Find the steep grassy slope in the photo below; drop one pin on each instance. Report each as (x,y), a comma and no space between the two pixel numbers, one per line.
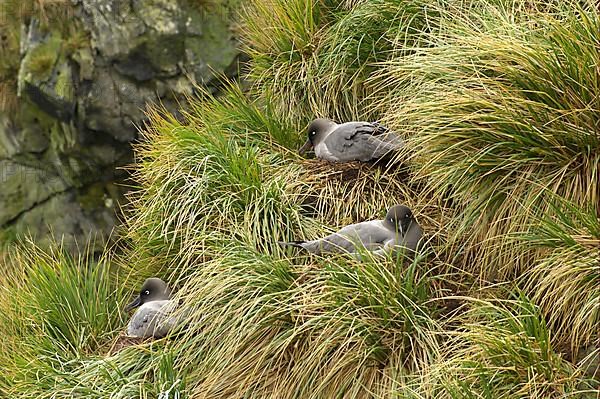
(499,102)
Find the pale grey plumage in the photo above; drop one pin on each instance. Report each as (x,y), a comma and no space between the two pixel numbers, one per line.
(350,141)
(154,317)
(398,229)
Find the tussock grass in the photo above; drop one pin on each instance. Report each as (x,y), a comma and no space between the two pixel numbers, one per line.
(313,58)
(231,186)
(503,350)
(270,327)
(56,308)
(565,282)
(498,101)
(353,181)
(502,117)
(283,36)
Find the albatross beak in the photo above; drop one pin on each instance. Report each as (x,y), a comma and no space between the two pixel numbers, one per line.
(307,146)
(136,302)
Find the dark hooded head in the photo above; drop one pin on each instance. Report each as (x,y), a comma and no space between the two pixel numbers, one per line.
(399,218)
(317,131)
(153,289)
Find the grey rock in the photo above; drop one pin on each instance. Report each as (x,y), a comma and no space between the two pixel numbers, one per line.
(80,107)
(9,143)
(85,61)
(32,140)
(163,16)
(102,105)
(99,111)
(212,50)
(65,217)
(113,26)
(25,186)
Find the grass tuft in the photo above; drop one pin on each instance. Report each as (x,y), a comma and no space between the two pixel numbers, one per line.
(56,308)
(498,103)
(504,350)
(564,282)
(501,118)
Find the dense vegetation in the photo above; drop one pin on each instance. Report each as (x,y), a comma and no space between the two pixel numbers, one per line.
(499,101)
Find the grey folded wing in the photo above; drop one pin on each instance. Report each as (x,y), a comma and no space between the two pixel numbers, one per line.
(412,241)
(333,243)
(388,247)
(361,141)
(370,235)
(153,319)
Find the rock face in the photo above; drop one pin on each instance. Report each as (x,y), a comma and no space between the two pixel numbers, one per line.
(82,95)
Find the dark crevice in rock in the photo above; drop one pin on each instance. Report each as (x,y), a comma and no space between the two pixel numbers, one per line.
(35,205)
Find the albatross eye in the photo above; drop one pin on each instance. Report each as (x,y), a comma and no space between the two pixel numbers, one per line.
(313,133)
(146,292)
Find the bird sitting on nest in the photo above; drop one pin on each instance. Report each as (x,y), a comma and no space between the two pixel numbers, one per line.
(154,316)
(350,141)
(399,229)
